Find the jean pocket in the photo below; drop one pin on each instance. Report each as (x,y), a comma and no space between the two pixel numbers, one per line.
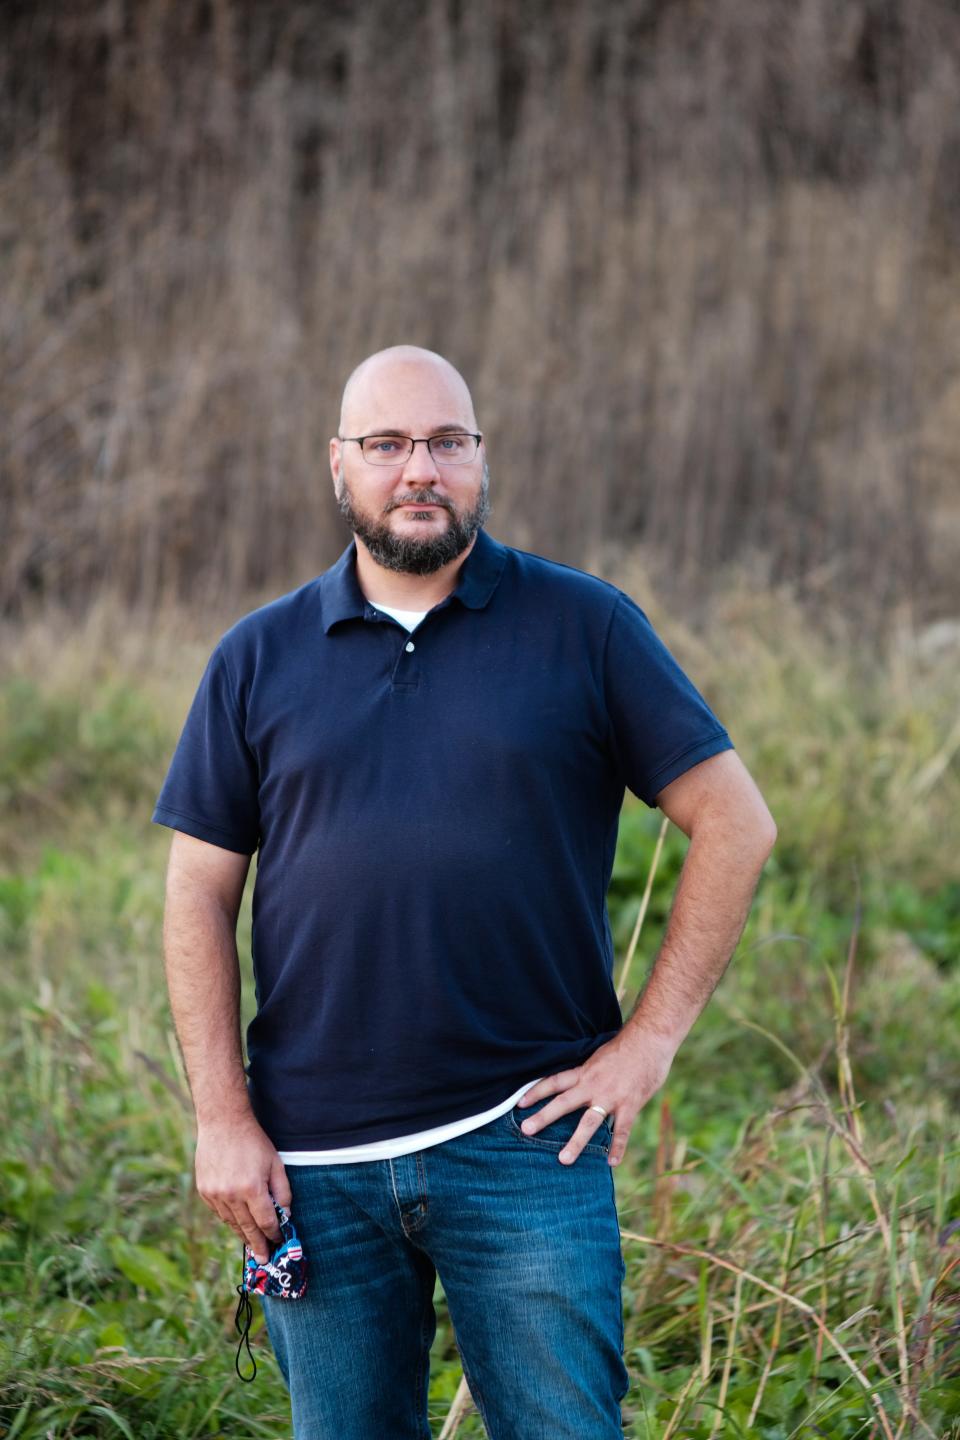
(555,1135)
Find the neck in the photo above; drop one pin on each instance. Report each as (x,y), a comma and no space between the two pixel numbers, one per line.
(406,592)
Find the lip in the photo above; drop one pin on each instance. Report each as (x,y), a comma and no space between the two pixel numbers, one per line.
(412,505)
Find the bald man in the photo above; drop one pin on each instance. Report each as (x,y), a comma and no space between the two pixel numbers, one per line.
(427,747)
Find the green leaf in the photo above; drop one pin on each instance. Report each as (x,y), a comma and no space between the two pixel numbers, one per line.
(101,1000)
(113,1335)
(144,1265)
(115,1419)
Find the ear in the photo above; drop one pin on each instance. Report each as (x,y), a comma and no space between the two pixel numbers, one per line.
(336,460)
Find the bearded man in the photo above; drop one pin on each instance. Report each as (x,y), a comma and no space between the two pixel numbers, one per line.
(427,747)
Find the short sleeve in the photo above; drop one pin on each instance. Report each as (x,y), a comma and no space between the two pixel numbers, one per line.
(660,724)
(211,789)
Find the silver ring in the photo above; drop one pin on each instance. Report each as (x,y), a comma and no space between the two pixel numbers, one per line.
(599,1109)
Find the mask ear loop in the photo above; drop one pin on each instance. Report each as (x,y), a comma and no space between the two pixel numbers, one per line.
(244,1309)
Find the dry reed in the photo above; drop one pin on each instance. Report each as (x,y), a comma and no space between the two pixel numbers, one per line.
(700,268)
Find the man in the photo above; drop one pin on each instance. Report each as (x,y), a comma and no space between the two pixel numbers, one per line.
(427,746)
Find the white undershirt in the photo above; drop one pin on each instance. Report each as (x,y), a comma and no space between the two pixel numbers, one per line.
(421,1139)
(409,619)
(403,1144)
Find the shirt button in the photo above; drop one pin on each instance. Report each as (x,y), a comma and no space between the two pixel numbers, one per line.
(409,645)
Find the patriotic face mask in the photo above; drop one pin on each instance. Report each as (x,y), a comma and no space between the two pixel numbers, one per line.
(283,1275)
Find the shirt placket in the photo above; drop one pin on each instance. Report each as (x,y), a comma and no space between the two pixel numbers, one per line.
(405,676)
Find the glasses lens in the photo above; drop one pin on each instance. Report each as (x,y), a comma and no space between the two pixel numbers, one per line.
(453,449)
(396,449)
(386,449)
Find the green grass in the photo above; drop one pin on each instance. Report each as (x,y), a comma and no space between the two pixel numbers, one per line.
(787,1198)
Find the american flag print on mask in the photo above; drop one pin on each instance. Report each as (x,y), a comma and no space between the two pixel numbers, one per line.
(283,1275)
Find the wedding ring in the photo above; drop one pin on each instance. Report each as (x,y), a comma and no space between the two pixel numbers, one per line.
(599,1109)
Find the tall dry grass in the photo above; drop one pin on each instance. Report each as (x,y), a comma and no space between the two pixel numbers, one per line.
(698,263)
(789,1203)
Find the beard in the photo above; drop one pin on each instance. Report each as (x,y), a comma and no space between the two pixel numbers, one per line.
(414,554)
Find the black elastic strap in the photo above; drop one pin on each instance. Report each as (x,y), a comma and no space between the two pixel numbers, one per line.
(245,1309)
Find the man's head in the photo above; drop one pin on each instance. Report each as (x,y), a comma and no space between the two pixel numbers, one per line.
(417,514)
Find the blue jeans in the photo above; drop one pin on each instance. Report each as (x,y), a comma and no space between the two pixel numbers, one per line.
(528,1254)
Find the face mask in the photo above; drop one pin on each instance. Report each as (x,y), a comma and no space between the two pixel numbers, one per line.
(283,1275)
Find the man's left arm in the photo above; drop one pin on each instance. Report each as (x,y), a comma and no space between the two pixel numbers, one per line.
(731,831)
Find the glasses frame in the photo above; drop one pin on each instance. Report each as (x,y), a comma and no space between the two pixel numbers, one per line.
(420,440)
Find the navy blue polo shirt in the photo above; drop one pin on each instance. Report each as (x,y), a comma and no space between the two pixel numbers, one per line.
(435,816)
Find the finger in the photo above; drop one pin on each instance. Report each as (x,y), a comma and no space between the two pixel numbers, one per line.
(621,1134)
(550,1085)
(245,1225)
(588,1127)
(265,1216)
(561,1105)
(222,1212)
(233,1210)
(227,1217)
(280,1185)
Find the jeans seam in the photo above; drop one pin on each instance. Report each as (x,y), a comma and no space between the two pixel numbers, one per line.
(623,1266)
(474,1393)
(423,1359)
(408,1226)
(396,1197)
(421,1181)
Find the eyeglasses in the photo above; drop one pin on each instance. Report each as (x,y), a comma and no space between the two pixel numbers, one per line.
(447,449)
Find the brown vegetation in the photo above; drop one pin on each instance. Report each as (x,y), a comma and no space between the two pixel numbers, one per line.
(698,261)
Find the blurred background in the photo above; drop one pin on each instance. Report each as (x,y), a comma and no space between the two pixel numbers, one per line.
(700,264)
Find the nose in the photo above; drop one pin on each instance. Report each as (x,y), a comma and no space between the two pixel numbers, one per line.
(421,465)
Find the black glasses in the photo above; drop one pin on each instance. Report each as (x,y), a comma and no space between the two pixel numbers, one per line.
(455,448)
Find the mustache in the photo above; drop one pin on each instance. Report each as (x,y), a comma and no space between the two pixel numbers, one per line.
(422,498)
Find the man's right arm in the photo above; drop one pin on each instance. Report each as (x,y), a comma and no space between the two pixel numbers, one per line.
(237,1166)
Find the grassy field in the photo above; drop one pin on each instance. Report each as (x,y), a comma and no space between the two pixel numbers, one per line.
(790,1204)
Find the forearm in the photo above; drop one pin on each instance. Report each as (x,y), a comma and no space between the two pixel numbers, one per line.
(731,834)
(203,979)
(239,1173)
(710,909)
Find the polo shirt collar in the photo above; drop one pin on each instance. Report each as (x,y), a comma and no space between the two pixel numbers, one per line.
(342,598)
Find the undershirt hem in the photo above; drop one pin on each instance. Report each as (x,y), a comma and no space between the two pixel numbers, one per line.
(404,1144)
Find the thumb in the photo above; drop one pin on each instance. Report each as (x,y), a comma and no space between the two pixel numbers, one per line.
(279,1184)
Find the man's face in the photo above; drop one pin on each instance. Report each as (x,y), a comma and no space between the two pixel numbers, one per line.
(418,516)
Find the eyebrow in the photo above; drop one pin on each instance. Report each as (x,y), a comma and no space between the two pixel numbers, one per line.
(455,426)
